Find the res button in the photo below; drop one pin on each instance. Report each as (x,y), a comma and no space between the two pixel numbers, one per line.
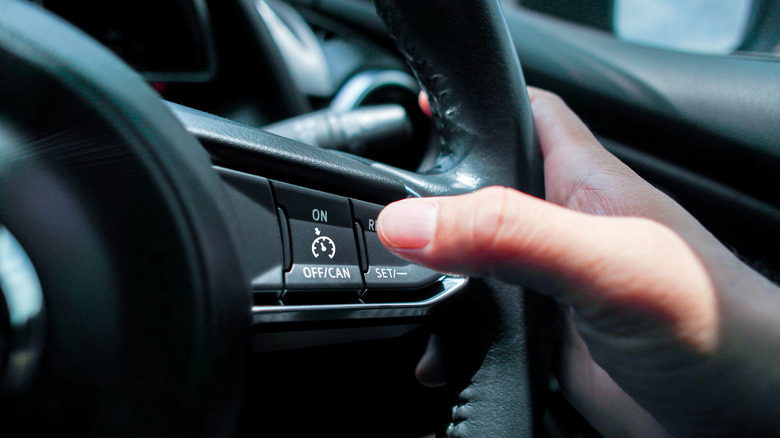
(386,271)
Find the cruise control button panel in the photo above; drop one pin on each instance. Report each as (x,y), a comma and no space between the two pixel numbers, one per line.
(316,257)
(331,256)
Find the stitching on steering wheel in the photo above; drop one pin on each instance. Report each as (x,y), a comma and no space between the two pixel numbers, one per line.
(459,417)
(431,84)
(437,92)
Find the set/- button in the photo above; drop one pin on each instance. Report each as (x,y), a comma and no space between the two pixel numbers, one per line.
(385,270)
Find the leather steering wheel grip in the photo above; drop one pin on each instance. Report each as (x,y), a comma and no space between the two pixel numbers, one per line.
(462,55)
(497,344)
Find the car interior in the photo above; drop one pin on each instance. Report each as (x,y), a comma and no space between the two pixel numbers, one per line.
(189,191)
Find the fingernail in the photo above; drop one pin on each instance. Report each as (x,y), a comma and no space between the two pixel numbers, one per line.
(408,224)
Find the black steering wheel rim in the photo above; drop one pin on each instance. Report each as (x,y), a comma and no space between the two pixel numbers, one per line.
(498,359)
(462,54)
(147,309)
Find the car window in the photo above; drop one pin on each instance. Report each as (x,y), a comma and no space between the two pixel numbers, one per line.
(703,26)
(722,27)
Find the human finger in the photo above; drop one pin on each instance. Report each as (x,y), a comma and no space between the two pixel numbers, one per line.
(579,173)
(603,266)
(582,175)
(593,392)
(425,106)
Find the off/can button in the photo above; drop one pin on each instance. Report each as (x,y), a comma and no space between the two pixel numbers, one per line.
(324,251)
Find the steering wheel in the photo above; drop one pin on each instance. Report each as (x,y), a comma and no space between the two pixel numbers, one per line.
(145,310)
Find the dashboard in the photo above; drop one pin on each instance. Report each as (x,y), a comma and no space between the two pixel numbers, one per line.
(168,41)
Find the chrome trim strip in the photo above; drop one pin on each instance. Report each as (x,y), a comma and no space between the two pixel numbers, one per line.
(362,85)
(21,341)
(299,48)
(340,312)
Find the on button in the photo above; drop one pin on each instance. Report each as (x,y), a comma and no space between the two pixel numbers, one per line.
(324,251)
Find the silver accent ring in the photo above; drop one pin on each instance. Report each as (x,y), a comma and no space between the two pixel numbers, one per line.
(23,320)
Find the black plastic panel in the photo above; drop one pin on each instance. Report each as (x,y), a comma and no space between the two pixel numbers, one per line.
(257,222)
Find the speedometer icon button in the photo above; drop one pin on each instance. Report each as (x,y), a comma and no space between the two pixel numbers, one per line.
(323,246)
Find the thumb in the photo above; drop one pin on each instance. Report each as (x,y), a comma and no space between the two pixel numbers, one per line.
(599,265)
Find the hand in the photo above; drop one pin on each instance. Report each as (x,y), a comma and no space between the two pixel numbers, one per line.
(679,335)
